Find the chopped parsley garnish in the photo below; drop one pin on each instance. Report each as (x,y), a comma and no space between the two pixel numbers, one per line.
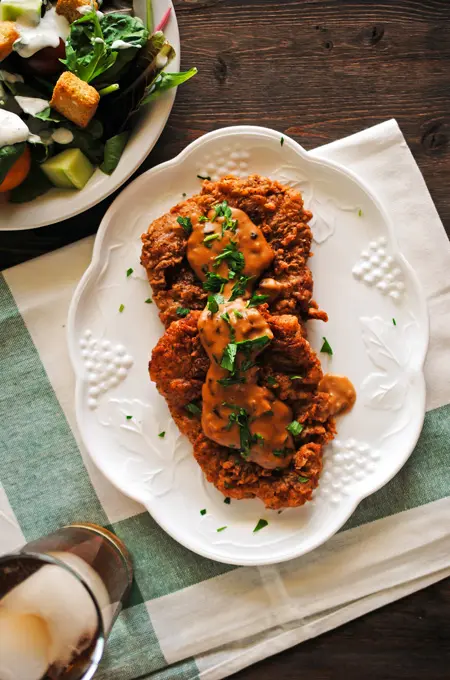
(227,500)
(241,418)
(302,480)
(221,210)
(149,301)
(226,317)
(207,241)
(130,271)
(251,345)
(203,512)
(203,218)
(238,314)
(296,377)
(282,141)
(271,380)
(128,417)
(204,177)
(193,408)
(221,529)
(121,308)
(326,347)
(239,287)
(214,301)
(162,435)
(360,213)
(224,210)
(295,428)
(256,300)
(231,380)
(229,357)
(245,346)
(186,223)
(182,311)
(233,257)
(394,322)
(261,524)
(214,282)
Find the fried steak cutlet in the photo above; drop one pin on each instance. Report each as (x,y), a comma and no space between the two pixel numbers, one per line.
(278,211)
(178,367)
(193,365)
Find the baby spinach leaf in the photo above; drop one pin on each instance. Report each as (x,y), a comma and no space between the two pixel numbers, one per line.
(165,81)
(35,184)
(129,30)
(141,73)
(87,54)
(8,156)
(113,150)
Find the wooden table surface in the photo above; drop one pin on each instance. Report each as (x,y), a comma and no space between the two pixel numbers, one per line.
(317,70)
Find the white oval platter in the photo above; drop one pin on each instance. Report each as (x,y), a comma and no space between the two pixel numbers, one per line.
(378,329)
(60,204)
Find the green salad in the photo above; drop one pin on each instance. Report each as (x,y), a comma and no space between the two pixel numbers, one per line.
(73,77)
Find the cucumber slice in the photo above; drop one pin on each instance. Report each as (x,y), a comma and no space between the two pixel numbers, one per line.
(11,10)
(69,169)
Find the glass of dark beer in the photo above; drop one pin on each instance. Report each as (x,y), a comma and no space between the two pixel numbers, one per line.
(59,597)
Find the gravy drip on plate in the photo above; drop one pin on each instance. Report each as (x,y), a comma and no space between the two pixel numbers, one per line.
(228,252)
(341,391)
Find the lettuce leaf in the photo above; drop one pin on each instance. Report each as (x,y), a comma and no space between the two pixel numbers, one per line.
(113,150)
(165,81)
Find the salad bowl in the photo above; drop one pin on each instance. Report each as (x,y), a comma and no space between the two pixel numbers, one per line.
(59,204)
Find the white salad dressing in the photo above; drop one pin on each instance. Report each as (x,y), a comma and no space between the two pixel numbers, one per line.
(87,9)
(62,136)
(12,129)
(32,105)
(99,40)
(8,77)
(47,33)
(120,45)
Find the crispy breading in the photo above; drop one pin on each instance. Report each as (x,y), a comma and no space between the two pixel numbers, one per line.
(75,99)
(279,212)
(178,367)
(69,8)
(8,35)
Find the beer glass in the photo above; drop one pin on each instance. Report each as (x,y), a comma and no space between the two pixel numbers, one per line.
(59,597)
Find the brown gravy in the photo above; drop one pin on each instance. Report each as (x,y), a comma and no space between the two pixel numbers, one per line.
(341,391)
(237,412)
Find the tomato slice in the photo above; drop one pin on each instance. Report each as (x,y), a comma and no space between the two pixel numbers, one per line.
(17,172)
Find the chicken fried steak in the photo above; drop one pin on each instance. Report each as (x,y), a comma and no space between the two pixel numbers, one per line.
(276,209)
(179,366)
(240,377)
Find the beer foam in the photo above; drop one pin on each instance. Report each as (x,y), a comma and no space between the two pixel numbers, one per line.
(59,599)
(24,645)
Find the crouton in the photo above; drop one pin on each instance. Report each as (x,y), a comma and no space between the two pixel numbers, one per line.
(75,99)
(8,35)
(69,8)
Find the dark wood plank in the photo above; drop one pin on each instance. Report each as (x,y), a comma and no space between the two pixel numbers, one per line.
(317,70)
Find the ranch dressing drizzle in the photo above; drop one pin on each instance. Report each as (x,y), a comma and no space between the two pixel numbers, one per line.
(12,129)
(233,411)
(47,33)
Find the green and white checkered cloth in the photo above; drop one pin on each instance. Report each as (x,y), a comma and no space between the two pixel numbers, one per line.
(190,618)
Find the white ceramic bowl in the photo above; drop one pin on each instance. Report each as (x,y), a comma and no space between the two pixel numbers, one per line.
(361,280)
(60,204)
